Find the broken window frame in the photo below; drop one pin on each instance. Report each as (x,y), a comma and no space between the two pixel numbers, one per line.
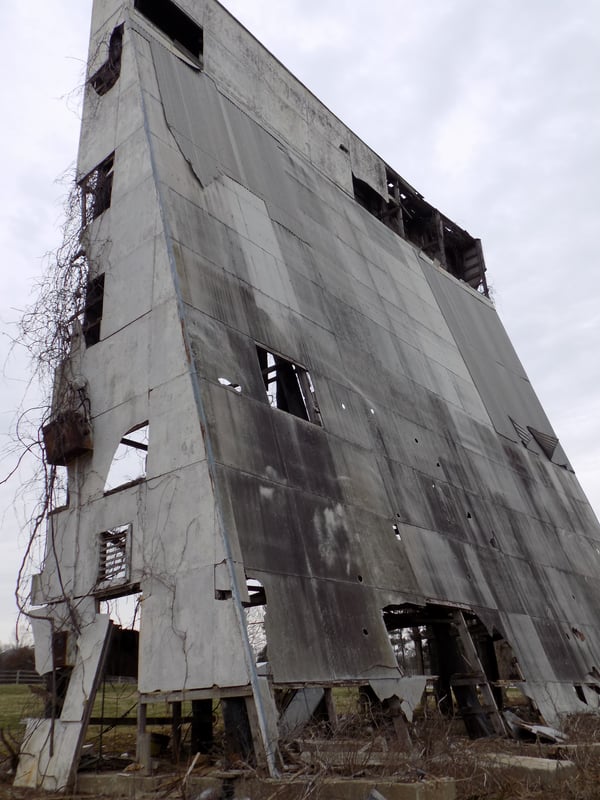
(93,310)
(409,640)
(408,214)
(114,560)
(103,80)
(255,613)
(368,198)
(294,391)
(123,606)
(176,25)
(96,190)
(134,445)
(59,483)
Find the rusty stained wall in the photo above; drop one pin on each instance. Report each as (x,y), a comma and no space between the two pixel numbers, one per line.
(233,224)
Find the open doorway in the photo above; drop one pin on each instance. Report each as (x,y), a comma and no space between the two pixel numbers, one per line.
(111,735)
(454,649)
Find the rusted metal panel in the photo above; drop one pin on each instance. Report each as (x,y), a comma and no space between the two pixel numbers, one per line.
(67,436)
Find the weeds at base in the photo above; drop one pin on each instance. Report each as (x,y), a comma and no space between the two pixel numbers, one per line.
(439,752)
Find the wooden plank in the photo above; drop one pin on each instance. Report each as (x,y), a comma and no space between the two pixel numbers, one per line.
(143,740)
(176,723)
(114,722)
(195,694)
(400,724)
(331,709)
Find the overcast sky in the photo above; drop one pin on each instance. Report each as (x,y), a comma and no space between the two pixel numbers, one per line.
(489,109)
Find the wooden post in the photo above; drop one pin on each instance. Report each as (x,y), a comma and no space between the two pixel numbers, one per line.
(400,723)
(255,734)
(143,755)
(330,707)
(418,642)
(176,729)
(438,223)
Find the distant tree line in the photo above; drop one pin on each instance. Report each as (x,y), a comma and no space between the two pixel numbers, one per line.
(16,657)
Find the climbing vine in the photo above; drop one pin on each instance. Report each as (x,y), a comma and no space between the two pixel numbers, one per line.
(50,332)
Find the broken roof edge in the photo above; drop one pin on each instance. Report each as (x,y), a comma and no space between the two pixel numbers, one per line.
(359,159)
(382,162)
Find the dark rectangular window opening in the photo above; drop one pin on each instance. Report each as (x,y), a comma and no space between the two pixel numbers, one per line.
(288,386)
(128,466)
(368,198)
(175,24)
(92,313)
(60,649)
(96,190)
(105,78)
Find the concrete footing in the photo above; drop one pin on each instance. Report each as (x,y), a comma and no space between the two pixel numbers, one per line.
(139,787)
(543,771)
(348,789)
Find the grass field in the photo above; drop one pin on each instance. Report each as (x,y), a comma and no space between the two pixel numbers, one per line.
(440,749)
(17,702)
(113,700)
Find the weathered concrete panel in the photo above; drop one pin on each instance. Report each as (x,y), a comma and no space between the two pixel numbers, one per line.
(428,475)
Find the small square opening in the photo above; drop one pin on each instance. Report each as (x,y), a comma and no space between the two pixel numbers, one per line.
(288,386)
